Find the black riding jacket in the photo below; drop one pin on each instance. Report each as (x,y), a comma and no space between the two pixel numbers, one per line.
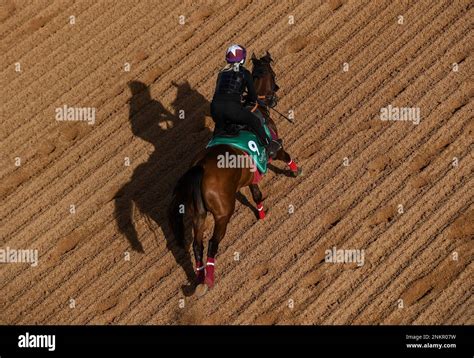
(231,85)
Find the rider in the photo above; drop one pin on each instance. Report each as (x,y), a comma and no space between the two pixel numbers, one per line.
(226,105)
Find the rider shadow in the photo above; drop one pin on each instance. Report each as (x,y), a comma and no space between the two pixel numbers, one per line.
(150,187)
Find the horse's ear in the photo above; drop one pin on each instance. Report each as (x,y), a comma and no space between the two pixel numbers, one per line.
(268,56)
(255,59)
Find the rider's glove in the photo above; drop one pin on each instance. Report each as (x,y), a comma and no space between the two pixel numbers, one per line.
(262,103)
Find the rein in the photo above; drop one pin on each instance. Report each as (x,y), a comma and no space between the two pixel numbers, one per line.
(270,100)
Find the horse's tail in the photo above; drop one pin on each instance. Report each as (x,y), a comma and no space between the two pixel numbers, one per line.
(187,192)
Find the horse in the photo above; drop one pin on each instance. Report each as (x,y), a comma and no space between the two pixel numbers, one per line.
(208,187)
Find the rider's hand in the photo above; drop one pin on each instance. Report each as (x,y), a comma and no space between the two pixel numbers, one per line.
(247,102)
(262,103)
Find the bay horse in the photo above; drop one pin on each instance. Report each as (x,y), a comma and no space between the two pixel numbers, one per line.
(206,187)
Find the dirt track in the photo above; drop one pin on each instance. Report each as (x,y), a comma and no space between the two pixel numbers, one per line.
(282,276)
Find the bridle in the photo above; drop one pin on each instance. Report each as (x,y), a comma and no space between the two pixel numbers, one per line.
(271,99)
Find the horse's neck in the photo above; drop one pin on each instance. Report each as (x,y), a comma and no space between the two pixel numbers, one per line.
(268,119)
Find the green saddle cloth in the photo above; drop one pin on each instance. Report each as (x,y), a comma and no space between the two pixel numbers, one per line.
(247,142)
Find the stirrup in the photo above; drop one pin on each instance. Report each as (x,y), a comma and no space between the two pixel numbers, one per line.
(272,148)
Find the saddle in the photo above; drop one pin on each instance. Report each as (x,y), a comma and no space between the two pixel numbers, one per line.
(230,130)
(233,129)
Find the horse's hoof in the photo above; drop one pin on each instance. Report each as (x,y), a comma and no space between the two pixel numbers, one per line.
(188,290)
(201,290)
(297,173)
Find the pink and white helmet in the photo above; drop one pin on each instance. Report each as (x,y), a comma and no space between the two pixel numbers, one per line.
(235,53)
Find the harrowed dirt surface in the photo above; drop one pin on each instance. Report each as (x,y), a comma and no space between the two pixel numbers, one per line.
(155,117)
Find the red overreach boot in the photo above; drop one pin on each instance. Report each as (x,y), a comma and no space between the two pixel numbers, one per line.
(210,266)
(293,166)
(261,212)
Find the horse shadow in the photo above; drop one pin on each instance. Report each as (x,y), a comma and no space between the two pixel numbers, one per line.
(176,138)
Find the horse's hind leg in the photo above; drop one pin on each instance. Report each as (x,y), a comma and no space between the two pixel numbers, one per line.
(199,221)
(258,199)
(219,232)
(285,157)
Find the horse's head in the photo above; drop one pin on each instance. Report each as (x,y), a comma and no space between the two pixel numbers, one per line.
(265,79)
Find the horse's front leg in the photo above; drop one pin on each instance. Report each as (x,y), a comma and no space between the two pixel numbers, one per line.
(257,197)
(282,153)
(285,157)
